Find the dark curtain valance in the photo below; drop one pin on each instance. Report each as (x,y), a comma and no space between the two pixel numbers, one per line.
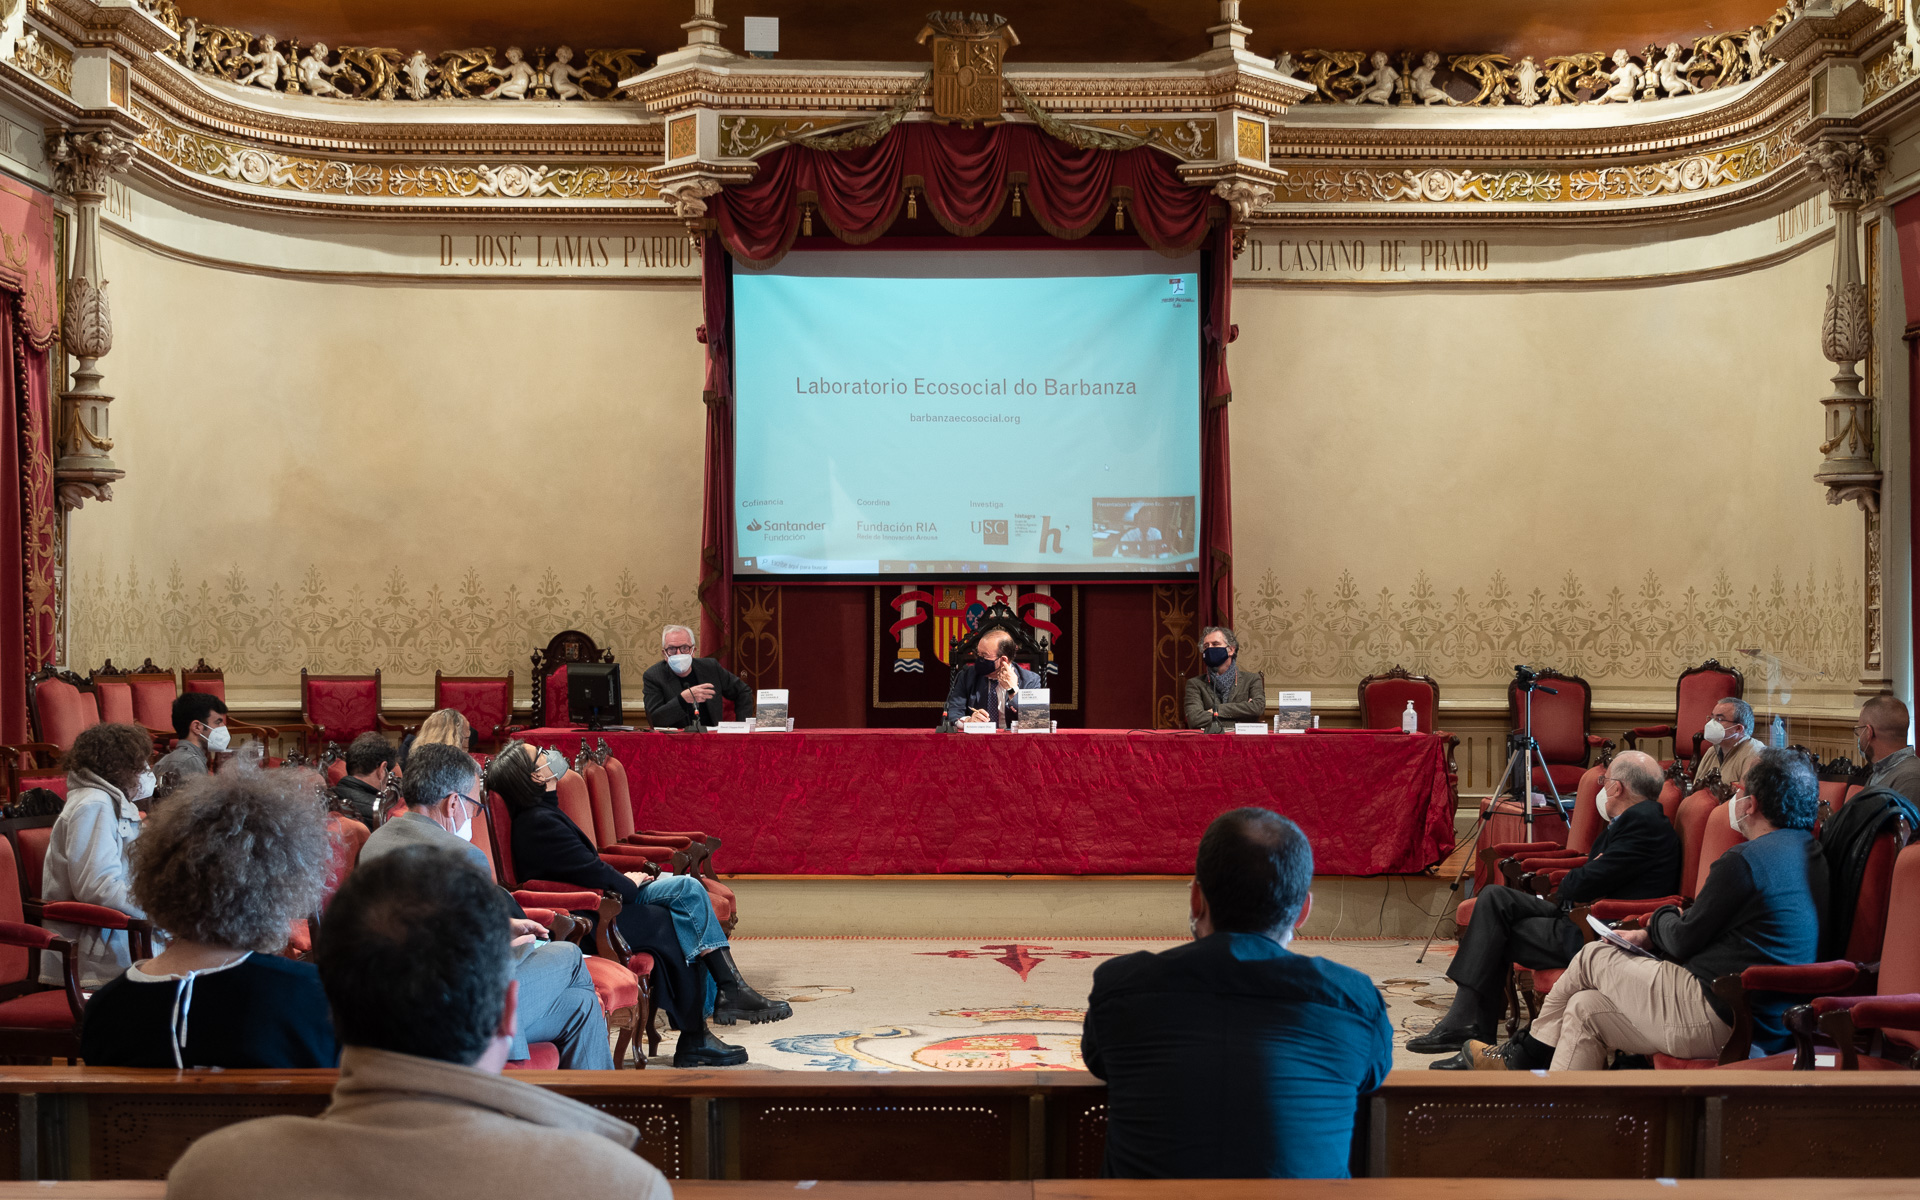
(966,178)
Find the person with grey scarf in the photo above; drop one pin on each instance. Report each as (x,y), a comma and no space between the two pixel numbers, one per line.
(1224,693)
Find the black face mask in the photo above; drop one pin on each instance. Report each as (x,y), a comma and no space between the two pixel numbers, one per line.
(1215,655)
(988,665)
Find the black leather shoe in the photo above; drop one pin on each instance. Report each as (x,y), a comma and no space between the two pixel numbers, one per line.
(1441,1040)
(707,1051)
(1481,1056)
(738,1002)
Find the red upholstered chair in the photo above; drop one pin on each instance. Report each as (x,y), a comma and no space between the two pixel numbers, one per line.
(29,838)
(1504,825)
(1698,690)
(486,701)
(550,678)
(1384,699)
(339,708)
(154,691)
(625,818)
(500,830)
(61,704)
(213,681)
(1562,724)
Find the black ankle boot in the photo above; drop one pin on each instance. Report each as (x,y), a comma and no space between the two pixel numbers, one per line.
(701,1049)
(736,1001)
(1470,1018)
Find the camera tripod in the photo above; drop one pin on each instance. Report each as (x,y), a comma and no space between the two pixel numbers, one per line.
(1524,751)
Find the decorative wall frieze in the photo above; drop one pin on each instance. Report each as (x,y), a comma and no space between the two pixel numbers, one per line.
(218,161)
(44,59)
(1407,78)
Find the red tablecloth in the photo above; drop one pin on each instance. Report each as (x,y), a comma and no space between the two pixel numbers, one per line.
(884,802)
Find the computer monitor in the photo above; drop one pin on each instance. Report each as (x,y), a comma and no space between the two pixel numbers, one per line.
(593,694)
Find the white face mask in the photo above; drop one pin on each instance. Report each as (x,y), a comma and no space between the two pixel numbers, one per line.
(1733,818)
(465,832)
(680,664)
(1600,802)
(1715,732)
(218,739)
(143,787)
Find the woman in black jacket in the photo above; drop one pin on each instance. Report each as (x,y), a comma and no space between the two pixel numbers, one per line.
(669,917)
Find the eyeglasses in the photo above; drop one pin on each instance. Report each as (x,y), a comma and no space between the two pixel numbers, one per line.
(679,649)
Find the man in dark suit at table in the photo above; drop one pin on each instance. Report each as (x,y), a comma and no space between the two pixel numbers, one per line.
(1224,694)
(681,689)
(1232,1057)
(1637,857)
(981,690)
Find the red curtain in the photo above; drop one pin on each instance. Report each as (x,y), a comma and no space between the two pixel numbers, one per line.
(28,310)
(966,178)
(716,504)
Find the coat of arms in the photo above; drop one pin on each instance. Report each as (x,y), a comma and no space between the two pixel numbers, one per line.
(967,52)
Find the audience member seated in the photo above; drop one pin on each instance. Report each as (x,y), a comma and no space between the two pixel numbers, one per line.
(557,1000)
(107,777)
(200,722)
(1233,1057)
(444,728)
(1225,693)
(369,762)
(1730,745)
(225,866)
(667,916)
(982,689)
(1636,857)
(681,690)
(415,960)
(1882,736)
(1763,903)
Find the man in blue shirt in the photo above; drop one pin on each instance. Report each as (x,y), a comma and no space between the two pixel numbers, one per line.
(1233,1057)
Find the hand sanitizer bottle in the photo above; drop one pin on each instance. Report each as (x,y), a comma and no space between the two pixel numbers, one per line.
(1409,720)
(1777,738)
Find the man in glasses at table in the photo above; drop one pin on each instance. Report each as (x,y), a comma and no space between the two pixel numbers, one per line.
(983,689)
(681,689)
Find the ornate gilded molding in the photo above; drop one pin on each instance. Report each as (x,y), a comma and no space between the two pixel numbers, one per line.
(1710,62)
(1849,168)
(45,60)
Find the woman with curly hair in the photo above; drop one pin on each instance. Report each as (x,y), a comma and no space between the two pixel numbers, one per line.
(107,777)
(225,866)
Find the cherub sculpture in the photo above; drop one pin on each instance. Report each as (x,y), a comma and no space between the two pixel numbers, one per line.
(1626,76)
(1379,87)
(315,76)
(418,73)
(515,78)
(561,76)
(1424,89)
(1670,73)
(267,66)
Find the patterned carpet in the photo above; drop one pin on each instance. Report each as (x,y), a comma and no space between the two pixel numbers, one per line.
(991,1005)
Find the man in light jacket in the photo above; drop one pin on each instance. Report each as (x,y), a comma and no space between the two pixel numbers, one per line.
(415,962)
(107,777)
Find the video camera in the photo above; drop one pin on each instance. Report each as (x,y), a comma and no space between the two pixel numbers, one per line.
(1527,680)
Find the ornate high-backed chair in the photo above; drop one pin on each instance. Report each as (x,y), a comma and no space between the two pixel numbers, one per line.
(550,674)
(1026,650)
(1384,698)
(1699,689)
(154,691)
(61,705)
(1562,724)
(486,701)
(339,708)
(213,681)
(114,693)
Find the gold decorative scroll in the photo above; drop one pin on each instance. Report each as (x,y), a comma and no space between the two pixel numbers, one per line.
(1306,184)
(46,61)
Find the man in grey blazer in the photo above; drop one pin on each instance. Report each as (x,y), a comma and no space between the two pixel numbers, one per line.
(557,1001)
(1224,693)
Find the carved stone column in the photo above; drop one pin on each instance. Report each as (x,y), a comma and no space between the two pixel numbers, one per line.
(1850,167)
(85,469)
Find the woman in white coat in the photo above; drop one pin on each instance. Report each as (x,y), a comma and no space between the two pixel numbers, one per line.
(107,775)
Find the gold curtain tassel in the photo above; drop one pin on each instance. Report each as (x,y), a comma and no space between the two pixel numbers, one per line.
(806,220)
(1119,215)
(913,210)
(1016,199)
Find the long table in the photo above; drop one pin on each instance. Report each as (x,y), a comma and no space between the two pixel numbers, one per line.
(887,802)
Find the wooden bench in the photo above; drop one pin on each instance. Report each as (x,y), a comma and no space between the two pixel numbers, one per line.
(104,1123)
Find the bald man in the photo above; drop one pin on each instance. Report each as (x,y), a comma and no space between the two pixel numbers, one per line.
(982,689)
(1636,857)
(1882,734)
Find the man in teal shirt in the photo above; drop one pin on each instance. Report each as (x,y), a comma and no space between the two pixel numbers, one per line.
(1233,1057)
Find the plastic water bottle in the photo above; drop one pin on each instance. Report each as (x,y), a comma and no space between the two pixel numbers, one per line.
(1777,738)
(1409,720)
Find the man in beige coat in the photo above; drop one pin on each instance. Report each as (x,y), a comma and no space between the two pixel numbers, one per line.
(415,962)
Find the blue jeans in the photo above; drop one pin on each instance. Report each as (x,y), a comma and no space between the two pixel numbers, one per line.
(693,920)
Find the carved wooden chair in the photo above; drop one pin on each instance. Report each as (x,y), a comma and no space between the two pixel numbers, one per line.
(1562,724)
(61,705)
(1026,648)
(154,691)
(339,708)
(114,689)
(486,701)
(550,674)
(1698,690)
(213,681)
(1384,698)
